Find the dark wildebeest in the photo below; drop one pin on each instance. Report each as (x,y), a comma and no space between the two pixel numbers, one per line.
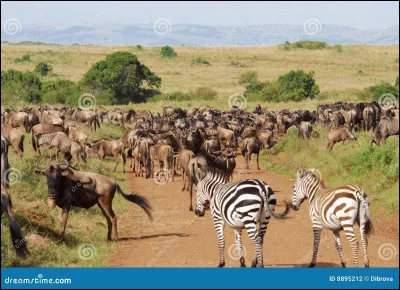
(17,237)
(103,147)
(251,146)
(194,164)
(338,135)
(163,154)
(68,187)
(369,116)
(386,127)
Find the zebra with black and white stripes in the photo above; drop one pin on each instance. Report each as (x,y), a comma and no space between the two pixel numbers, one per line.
(239,205)
(335,209)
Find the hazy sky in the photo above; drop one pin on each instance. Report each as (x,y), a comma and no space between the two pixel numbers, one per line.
(362,15)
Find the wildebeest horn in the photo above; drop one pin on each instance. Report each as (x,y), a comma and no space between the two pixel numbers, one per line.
(38,167)
(63,165)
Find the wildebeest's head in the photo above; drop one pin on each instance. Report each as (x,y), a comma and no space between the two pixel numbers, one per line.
(55,176)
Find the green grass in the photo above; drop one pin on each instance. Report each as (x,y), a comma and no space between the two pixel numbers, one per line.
(373,168)
(84,226)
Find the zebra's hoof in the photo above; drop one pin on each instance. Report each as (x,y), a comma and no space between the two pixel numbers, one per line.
(366,265)
(221,265)
(344,265)
(312,265)
(254,264)
(242,262)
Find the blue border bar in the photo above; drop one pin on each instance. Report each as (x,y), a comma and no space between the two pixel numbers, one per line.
(178,278)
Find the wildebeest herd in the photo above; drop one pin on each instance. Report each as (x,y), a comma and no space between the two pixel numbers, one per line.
(203,144)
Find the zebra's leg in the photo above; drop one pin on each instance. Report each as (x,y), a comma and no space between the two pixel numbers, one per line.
(255,238)
(338,246)
(351,237)
(364,243)
(238,244)
(317,235)
(219,228)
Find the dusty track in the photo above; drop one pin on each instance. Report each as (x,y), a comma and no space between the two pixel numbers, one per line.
(178,238)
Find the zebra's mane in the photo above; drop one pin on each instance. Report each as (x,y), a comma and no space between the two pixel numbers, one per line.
(211,171)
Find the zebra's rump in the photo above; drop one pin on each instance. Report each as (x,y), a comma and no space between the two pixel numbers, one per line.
(340,207)
(243,202)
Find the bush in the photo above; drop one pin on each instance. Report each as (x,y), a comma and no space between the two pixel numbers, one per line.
(43,68)
(248,77)
(26,57)
(338,48)
(293,86)
(58,91)
(304,44)
(21,85)
(379,90)
(204,94)
(124,75)
(237,64)
(139,47)
(201,60)
(167,52)
(300,82)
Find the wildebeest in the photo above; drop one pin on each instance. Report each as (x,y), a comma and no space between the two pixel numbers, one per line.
(16,119)
(103,147)
(15,137)
(17,237)
(251,146)
(68,187)
(183,160)
(5,165)
(41,129)
(386,127)
(78,136)
(338,135)
(305,130)
(194,164)
(163,154)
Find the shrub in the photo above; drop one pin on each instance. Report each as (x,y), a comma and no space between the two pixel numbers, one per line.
(167,52)
(139,47)
(21,85)
(301,82)
(43,68)
(124,75)
(248,77)
(338,48)
(204,93)
(26,57)
(237,64)
(58,91)
(201,60)
(305,44)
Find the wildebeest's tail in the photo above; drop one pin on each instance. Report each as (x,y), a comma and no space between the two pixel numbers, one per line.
(244,147)
(269,198)
(21,143)
(26,123)
(139,200)
(17,237)
(170,158)
(34,141)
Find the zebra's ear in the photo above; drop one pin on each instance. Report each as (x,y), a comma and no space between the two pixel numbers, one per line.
(300,173)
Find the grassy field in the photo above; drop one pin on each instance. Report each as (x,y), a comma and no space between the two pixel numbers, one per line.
(85,228)
(373,168)
(340,75)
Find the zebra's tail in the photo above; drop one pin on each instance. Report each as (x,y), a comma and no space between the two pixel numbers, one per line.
(364,216)
(269,199)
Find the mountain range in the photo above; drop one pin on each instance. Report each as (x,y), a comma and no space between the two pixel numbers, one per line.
(163,33)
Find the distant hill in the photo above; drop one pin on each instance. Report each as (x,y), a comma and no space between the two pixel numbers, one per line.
(196,35)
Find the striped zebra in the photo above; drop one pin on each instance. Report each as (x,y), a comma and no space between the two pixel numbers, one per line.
(239,205)
(334,209)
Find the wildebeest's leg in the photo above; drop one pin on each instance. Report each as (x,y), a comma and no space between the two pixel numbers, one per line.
(116,158)
(64,219)
(112,218)
(184,179)
(338,246)
(190,193)
(238,244)
(108,219)
(258,165)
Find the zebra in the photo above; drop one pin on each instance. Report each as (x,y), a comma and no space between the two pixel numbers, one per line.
(334,209)
(240,205)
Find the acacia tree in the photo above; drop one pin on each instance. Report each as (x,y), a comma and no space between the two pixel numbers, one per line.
(123,74)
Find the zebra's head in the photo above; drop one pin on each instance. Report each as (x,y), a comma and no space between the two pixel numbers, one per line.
(202,197)
(306,180)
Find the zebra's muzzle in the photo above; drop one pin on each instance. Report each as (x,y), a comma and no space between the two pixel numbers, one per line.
(199,213)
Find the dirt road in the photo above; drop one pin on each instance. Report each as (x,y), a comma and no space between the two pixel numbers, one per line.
(178,238)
